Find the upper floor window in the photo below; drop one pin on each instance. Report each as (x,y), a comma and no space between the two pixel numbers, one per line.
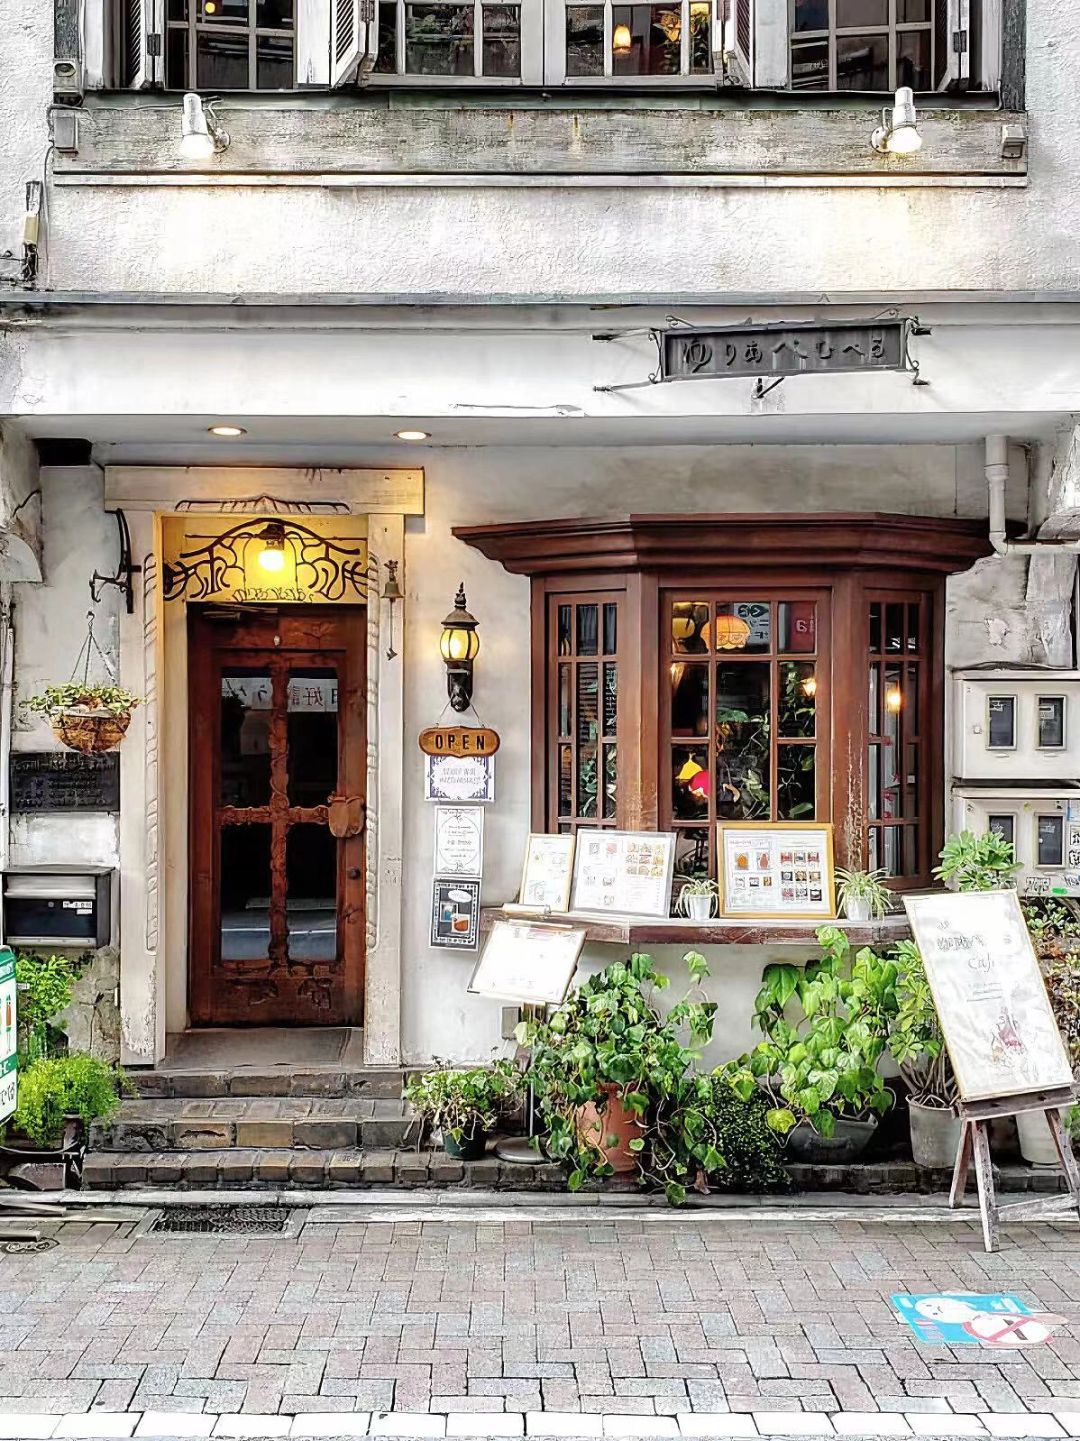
(213,45)
(866,44)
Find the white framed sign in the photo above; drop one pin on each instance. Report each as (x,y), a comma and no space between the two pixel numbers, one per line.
(9,1061)
(528,961)
(991,999)
(455,913)
(776,870)
(459,778)
(459,841)
(625,872)
(548,873)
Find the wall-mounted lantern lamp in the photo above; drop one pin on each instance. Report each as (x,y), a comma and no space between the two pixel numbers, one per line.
(459,646)
(272,552)
(201,133)
(898,133)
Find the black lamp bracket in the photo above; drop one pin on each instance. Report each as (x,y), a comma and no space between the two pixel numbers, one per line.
(125,571)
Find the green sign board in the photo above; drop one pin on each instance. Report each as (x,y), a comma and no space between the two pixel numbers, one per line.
(9,1065)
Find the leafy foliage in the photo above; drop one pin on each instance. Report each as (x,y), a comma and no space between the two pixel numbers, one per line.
(978,863)
(77,696)
(916,1042)
(56,1087)
(713,1125)
(610,1037)
(460,1102)
(44,984)
(825,1064)
(1055,932)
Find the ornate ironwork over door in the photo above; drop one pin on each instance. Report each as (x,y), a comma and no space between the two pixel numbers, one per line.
(277,768)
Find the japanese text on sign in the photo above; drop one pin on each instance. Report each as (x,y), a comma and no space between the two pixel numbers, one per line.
(791,350)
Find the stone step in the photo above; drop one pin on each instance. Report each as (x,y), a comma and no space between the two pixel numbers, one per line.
(285,1123)
(242,1168)
(371,1082)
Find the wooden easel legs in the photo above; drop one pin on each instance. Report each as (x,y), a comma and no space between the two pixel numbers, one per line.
(1065,1154)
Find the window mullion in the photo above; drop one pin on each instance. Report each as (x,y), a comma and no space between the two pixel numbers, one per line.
(478,38)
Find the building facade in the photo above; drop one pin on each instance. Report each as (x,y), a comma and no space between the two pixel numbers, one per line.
(682,356)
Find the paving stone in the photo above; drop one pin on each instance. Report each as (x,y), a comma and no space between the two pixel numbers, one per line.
(171,1423)
(714,1423)
(801,1423)
(870,1423)
(258,1133)
(377,1167)
(1032,1424)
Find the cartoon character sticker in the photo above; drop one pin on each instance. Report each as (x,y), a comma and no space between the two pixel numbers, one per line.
(1000,1322)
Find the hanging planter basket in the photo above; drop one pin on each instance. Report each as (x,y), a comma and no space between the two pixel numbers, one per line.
(92,732)
(84,716)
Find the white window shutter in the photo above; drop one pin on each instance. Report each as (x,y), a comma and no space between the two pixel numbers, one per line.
(772,47)
(353,39)
(312,42)
(956,74)
(739,43)
(140,39)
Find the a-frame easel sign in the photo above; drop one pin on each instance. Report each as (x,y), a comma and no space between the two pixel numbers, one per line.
(1001,1035)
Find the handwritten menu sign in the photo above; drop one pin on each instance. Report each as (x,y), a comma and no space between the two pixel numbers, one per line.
(459,841)
(548,873)
(627,872)
(989,992)
(459,778)
(528,961)
(64,781)
(776,871)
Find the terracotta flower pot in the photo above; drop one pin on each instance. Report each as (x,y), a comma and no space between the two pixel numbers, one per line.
(610,1127)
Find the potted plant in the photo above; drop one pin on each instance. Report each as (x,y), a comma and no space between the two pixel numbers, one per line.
(918,1047)
(978,863)
(60,1096)
(821,1070)
(607,1059)
(87,718)
(465,1104)
(697,898)
(861,894)
(44,992)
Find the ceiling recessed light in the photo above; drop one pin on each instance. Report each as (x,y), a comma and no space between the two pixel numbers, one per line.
(227,432)
(412,434)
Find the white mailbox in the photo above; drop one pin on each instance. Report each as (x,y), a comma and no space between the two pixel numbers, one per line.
(1043,824)
(1017,725)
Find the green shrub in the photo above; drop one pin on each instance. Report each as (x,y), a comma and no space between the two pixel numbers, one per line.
(717,1120)
(44,984)
(56,1087)
(463,1100)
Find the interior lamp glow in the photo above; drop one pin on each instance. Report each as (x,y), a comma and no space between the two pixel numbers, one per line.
(459,646)
(894,700)
(621,40)
(898,133)
(272,556)
(201,136)
(732,632)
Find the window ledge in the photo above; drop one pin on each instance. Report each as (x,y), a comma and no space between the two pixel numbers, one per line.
(643,930)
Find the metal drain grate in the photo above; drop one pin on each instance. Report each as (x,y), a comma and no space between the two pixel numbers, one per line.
(224,1220)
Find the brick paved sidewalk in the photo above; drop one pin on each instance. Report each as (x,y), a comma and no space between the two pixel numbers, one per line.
(708,1324)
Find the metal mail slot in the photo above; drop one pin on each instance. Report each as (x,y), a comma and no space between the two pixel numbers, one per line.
(49,906)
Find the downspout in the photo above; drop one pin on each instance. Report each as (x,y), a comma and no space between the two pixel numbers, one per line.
(997,475)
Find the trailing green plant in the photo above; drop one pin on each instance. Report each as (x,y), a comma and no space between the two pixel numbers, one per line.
(1054,925)
(864,886)
(610,1037)
(978,863)
(823,1066)
(916,1041)
(712,1124)
(78,696)
(55,1088)
(44,991)
(460,1101)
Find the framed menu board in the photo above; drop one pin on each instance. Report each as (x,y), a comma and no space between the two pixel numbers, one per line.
(528,961)
(779,870)
(627,872)
(990,996)
(548,872)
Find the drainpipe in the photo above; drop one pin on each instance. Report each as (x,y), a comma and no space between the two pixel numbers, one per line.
(997,474)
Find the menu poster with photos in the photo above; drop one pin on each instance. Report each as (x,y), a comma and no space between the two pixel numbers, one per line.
(459,841)
(625,872)
(776,870)
(455,913)
(990,996)
(527,961)
(548,873)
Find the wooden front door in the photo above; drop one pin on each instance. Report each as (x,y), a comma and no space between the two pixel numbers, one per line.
(277,727)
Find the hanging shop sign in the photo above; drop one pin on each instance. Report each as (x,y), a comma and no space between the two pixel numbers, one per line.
(776,870)
(64,781)
(778,350)
(459,741)
(455,913)
(459,841)
(459,778)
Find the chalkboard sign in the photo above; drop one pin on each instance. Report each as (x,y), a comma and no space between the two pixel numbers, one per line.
(64,781)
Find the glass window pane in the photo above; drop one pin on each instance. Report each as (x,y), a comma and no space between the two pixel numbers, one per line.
(274,14)
(439,40)
(1004,826)
(743,626)
(646,39)
(910,12)
(611,698)
(610,781)
(312,736)
(873,710)
(1001,715)
(862,62)
(891,852)
(565,673)
(584,40)
(796,794)
(873,849)
(502,41)
(1052,722)
(701,60)
(913,627)
(386,63)
(565,632)
(913,59)
(221,61)
(588,702)
(245,892)
(875,628)
(911,700)
(246,695)
(850,13)
(224,12)
(611,628)
(588,638)
(176,60)
(690,627)
(587,782)
(810,65)
(894,628)
(274,62)
(177,10)
(1051,840)
(911,779)
(797,699)
(691,787)
(910,860)
(311,894)
(742,741)
(691,854)
(689,699)
(873,783)
(798,626)
(811,14)
(566,781)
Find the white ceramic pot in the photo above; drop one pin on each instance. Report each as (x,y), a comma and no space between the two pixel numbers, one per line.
(700,907)
(935,1136)
(856,908)
(1036,1143)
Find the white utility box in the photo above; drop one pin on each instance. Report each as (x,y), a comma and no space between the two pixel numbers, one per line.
(1043,824)
(1016,724)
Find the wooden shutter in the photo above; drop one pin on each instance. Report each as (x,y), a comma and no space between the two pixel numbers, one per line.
(140,44)
(954,66)
(353,39)
(739,43)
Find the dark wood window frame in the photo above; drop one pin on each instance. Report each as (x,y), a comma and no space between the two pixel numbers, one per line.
(851,559)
